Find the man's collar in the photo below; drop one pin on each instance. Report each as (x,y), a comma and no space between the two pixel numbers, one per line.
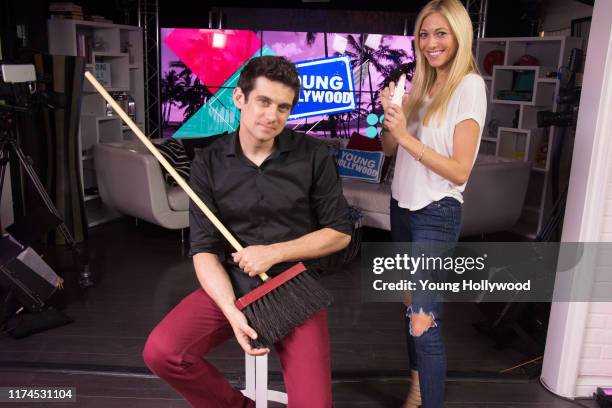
(285,142)
(230,144)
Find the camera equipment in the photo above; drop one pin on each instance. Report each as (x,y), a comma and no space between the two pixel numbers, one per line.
(569,96)
(29,282)
(9,147)
(18,73)
(566,118)
(569,99)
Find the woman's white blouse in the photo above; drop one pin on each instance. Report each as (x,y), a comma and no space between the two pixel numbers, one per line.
(414,186)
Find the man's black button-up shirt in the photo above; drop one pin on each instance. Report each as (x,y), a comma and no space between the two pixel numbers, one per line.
(295,191)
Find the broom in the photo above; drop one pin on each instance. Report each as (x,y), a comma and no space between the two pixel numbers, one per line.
(281,303)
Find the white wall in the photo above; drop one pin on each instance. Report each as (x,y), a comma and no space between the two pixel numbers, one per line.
(559,14)
(595,366)
(578,354)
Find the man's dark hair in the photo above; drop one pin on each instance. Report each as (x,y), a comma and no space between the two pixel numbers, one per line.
(274,68)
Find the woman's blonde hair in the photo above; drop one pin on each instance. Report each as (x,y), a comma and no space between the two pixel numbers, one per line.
(462,63)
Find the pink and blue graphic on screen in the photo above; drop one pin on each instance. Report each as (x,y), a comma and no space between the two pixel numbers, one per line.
(200,69)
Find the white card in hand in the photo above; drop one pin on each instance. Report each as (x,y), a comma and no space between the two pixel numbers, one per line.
(399,90)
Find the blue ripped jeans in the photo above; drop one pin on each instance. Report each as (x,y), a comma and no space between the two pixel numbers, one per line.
(440,221)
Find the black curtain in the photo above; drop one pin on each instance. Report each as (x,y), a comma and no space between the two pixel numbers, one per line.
(61,107)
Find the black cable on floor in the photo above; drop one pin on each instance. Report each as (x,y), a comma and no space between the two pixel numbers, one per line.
(571,401)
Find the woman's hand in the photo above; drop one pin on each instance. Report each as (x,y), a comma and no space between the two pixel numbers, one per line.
(395,121)
(394,124)
(386,94)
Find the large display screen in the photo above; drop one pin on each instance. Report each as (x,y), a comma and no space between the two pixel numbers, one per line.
(200,69)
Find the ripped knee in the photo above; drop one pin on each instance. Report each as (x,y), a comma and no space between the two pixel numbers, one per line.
(420,322)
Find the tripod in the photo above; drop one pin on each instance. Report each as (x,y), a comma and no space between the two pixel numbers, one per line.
(8,144)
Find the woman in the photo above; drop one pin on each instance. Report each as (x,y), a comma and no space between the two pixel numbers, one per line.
(435,134)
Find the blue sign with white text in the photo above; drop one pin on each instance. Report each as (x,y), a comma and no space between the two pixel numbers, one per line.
(327,87)
(359,164)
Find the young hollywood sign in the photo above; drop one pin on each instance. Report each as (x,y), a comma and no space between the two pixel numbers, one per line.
(327,87)
(359,164)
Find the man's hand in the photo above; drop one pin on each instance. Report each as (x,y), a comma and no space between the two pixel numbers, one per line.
(256,259)
(243,332)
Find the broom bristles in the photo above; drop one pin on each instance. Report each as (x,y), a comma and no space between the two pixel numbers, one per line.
(276,314)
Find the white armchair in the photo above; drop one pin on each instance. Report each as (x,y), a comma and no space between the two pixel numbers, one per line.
(130,180)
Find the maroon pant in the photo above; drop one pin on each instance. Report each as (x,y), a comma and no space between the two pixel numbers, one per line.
(175,349)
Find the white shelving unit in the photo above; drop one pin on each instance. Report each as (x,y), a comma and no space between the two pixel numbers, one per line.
(121,48)
(516,94)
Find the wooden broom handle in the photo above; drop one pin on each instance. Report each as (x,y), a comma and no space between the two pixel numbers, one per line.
(162,160)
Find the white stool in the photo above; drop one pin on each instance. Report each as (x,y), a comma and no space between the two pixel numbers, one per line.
(256,378)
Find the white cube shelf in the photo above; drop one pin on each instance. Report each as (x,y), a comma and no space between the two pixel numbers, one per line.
(511,128)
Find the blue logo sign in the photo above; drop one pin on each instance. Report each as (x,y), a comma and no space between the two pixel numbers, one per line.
(327,87)
(359,164)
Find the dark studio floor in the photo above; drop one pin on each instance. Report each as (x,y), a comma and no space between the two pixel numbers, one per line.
(141,274)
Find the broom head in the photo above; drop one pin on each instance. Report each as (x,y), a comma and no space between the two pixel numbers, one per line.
(282,303)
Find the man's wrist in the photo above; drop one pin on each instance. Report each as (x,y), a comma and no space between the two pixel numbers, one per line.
(279,254)
(227,308)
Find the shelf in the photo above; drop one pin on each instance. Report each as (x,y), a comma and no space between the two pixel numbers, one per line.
(514,100)
(508,102)
(96,24)
(527,89)
(110,54)
(548,80)
(512,143)
(126,128)
(120,49)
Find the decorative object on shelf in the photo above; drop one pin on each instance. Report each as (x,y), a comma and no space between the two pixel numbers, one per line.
(102,72)
(100,19)
(65,10)
(131,107)
(126,48)
(542,155)
(518,155)
(527,60)
(127,103)
(515,119)
(495,57)
(522,87)
(84,46)
(99,44)
(492,128)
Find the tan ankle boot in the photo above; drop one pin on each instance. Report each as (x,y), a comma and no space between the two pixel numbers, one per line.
(413,399)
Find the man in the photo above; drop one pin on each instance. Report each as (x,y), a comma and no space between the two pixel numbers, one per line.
(278,192)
